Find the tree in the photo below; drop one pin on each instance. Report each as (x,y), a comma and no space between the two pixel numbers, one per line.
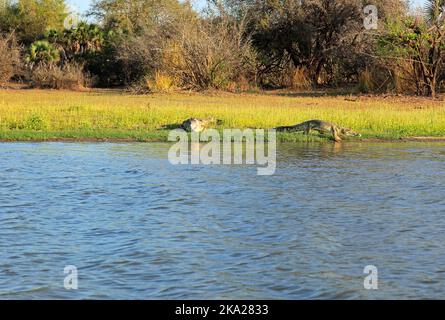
(310,33)
(9,57)
(42,51)
(138,16)
(416,46)
(212,54)
(77,43)
(325,37)
(143,29)
(32,18)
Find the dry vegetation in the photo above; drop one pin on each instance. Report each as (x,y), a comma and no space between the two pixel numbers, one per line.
(9,58)
(70,76)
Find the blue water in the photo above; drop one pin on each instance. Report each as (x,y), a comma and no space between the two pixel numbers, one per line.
(137,227)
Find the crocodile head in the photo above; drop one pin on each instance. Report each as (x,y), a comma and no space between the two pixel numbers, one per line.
(349,133)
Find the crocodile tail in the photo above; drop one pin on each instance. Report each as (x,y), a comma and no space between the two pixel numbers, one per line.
(282,129)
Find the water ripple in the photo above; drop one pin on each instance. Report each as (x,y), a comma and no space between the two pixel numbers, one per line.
(138,228)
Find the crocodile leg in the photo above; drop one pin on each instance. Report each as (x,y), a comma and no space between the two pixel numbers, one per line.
(336,134)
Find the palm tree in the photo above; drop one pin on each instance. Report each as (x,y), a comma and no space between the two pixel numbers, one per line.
(42,51)
(83,39)
(96,38)
(435,10)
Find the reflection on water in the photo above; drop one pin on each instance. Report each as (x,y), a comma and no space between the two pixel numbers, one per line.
(137,227)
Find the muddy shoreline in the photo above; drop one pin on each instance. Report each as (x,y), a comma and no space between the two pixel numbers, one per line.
(133,140)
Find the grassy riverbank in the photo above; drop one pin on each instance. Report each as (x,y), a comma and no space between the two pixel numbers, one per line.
(27,115)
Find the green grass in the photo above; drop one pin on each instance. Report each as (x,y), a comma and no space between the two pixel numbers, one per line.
(27,115)
(99,134)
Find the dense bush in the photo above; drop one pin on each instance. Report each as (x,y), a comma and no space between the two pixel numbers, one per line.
(212,54)
(164,45)
(30,19)
(9,58)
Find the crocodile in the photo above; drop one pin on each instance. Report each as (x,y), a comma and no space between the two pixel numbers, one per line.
(197,125)
(322,127)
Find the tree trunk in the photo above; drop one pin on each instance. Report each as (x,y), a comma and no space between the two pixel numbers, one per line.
(432,87)
(318,69)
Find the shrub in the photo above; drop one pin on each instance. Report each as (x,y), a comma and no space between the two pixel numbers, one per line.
(402,80)
(211,54)
(69,76)
(160,82)
(366,83)
(375,79)
(296,78)
(9,58)
(301,79)
(35,122)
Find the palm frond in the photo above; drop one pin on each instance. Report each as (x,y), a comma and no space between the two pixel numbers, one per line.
(435,10)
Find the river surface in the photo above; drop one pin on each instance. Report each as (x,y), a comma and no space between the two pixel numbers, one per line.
(137,227)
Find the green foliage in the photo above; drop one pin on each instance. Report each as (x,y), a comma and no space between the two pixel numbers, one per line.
(312,34)
(233,44)
(139,16)
(42,51)
(32,18)
(415,47)
(90,45)
(434,9)
(143,31)
(35,122)
(79,41)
